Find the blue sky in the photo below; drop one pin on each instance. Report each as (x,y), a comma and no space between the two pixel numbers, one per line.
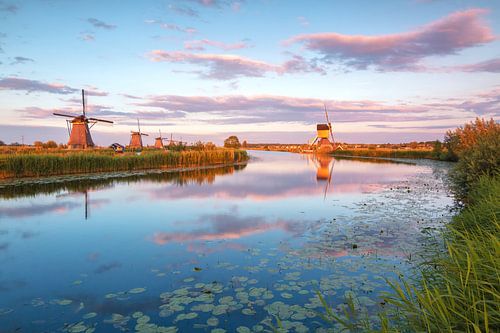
(388,71)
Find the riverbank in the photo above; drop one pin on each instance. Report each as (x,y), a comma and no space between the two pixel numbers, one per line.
(458,287)
(387,153)
(90,162)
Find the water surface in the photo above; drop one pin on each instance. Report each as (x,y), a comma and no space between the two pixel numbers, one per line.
(211,250)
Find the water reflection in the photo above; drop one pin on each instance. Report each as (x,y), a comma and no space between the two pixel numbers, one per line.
(188,247)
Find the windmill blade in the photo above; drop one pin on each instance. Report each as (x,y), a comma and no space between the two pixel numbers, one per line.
(101,120)
(83,101)
(329,123)
(144,134)
(329,180)
(138,125)
(64,115)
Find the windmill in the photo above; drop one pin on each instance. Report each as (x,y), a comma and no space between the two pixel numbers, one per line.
(322,139)
(173,142)
(79,129)
(136,137)
(159,141)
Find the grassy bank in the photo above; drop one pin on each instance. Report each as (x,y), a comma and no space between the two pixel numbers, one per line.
(39,165)
(388,153)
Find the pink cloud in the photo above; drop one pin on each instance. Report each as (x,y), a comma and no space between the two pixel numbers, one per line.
(172,26)
(226,66)
(492,66)
(228,226)
(402,51)
(13,83)
(199,45)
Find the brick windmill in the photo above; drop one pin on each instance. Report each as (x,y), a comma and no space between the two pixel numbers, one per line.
(322,139)
(159,141)
(136,137)
(79,129)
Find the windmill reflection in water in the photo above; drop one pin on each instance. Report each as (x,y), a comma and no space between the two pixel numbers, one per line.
(324,168)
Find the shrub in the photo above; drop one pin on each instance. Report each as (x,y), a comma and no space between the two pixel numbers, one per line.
(232,142)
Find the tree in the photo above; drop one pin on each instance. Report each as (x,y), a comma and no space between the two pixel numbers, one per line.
(2,143)
(463,138)
(50,144)
(232,142)
(38,144)
(244,144)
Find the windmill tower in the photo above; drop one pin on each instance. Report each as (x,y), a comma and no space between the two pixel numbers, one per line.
(79,129)
(136,137)
(159,141)
(322,139)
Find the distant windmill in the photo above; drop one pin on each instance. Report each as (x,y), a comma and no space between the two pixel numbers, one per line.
(173,142)
(322,139)
(136,137)
(159,141)
(79,129)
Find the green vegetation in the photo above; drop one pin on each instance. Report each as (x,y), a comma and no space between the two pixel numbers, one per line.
(232,142)
(459,288)
(49,164)
(388,153)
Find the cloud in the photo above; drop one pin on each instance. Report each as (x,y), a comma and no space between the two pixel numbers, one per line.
(37,209)
(211,3)
(21,60)
(401,51)
(228,226)
(172,26)
(2,36)
(13,83)
(100,24)
(184,10)
(199,45)
(87,37)
(7,7)
(492,66)
(303,21)
(227,67)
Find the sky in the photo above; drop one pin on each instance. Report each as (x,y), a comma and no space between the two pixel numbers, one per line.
(387,71)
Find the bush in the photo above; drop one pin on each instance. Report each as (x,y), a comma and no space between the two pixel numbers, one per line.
(232,142)
(477,146)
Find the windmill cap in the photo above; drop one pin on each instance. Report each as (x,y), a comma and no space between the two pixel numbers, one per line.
(322,127)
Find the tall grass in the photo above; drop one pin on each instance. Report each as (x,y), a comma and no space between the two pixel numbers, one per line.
(29,165)
(389,153)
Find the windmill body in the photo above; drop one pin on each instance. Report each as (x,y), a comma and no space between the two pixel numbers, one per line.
(80,137)
(159,141)
(136,137)
(79,129)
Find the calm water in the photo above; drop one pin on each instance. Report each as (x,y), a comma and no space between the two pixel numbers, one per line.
(213,250)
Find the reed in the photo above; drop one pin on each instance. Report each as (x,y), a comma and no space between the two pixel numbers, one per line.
(388,153)
(38,165)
